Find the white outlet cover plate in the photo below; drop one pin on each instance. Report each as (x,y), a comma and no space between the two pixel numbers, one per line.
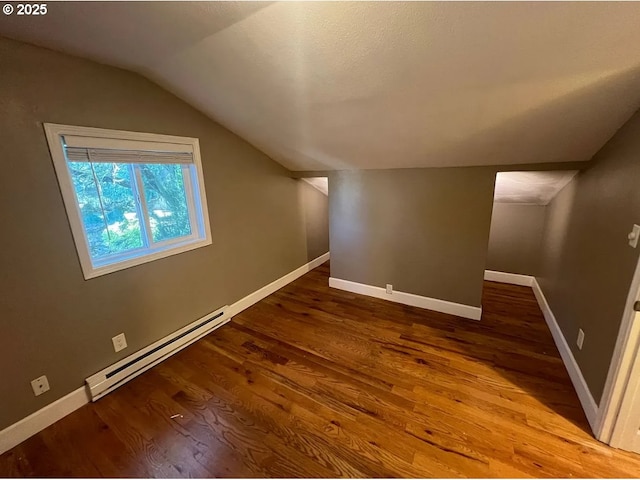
(580,338)
(119,342)
(40,385)
(634,235)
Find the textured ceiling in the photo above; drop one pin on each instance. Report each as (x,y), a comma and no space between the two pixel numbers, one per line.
(377,85)
(533,188)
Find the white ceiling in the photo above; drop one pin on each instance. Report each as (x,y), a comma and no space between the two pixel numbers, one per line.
(377,85)
(532,188)
(319,183)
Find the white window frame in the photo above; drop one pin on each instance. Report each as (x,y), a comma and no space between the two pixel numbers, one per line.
(198,207)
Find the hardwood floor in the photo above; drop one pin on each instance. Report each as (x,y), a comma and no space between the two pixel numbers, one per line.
(318,382)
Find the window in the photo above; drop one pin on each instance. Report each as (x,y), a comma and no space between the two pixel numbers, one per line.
(130,197)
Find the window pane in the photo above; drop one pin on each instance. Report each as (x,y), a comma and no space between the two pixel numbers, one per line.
(108,207)
(166,201)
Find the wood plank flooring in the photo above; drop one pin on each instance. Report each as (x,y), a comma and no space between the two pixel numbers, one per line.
(317,382)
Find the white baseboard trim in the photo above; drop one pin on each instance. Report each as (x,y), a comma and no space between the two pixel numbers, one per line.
(267,290)
(512,278)
(589,405)
(20,431)
(443,306)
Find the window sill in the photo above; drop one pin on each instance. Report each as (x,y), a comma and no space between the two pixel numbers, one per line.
(174,249)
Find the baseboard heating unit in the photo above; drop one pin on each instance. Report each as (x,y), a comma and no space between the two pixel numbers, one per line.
(128,368)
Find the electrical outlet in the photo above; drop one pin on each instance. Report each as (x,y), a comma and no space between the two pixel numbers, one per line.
(580,338)
(40,385)
(119,342)
(634,235)
(389,288)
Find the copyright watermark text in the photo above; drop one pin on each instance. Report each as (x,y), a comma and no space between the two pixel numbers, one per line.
(25,9)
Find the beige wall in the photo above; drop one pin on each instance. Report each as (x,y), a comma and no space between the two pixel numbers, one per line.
(587,265)
(316,219)
(425,231)
(515,238)
(54,322)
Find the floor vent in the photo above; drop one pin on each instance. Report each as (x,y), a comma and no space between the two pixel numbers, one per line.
(121,372)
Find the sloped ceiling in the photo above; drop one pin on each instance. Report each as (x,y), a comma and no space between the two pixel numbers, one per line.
(531,188)
(319,183)
(376,85)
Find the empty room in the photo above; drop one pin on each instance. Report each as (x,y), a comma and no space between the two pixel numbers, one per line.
(320,239)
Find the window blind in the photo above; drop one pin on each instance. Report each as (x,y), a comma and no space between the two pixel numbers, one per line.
(107,150)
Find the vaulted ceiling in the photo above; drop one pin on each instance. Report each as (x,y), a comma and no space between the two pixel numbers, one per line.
(531,188)
(376,85)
